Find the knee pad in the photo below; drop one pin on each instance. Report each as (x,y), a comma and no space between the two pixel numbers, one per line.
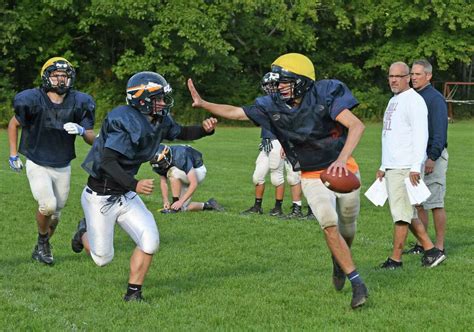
(293,178)
(150,242)
(257,179)
(277,178)
(102,260)
(47,207)
(327,216)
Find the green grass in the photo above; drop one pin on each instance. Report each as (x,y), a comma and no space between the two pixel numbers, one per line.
(230,272)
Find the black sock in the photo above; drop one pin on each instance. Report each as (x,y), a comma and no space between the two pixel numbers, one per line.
(132,288)
(43,238)
(175,199)
(278,203)
(258,202)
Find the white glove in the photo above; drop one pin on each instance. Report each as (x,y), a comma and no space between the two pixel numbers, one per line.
(74,129)
(15,163)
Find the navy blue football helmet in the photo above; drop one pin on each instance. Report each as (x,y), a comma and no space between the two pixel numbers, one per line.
(145,90)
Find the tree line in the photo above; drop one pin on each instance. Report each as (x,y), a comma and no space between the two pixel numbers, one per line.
(226,46)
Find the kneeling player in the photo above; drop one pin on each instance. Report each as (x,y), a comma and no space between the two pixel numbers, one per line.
(183,166)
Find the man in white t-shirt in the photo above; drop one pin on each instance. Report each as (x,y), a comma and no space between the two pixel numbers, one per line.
(404,140)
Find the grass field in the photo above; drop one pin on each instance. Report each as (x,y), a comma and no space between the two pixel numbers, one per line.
(223,271)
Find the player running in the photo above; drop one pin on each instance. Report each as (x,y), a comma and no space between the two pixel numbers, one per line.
(317,130)
(50,118)
(130,135)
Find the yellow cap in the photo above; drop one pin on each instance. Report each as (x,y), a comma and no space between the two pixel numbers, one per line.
(297,64)
(51,62)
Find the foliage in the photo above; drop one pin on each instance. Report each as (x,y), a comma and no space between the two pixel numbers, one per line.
(228,272)
(227,45)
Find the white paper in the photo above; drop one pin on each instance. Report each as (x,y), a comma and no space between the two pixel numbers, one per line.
(417,194)
(377,193)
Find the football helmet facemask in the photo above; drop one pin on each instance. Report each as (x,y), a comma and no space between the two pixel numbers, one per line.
(62,80)
(149,93)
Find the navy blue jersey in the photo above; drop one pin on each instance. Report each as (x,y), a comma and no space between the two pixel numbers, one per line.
(183,157)
(309,134)
(130,133)
(43,138)
(267,134)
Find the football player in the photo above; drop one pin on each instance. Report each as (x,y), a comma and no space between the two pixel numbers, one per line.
(317,130)
(183,166)
(271,159)
(50,118)
(130,135)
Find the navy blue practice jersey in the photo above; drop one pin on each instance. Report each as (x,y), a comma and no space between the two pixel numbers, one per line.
(43,138)
(130,133)
(309,134)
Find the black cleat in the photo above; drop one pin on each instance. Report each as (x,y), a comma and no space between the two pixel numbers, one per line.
(134,297)
(42,253)
(338,276)
(169,211)
(432,258)
(253,210)
(213,205)
(309,215)
(276,212)
(390,264)
(416,249)
(295,213)
(76,241)
(359,295)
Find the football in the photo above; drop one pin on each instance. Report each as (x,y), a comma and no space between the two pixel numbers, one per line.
(341,184)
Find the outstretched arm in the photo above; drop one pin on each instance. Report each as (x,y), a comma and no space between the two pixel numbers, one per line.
(164,192)
(223,110)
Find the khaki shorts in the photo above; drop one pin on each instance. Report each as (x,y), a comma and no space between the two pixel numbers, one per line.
(436,183)
(398,199)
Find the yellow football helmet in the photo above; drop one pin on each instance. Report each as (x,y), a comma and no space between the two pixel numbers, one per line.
(293,68)
(57,64)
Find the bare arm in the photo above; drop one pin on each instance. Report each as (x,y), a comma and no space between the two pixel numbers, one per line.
(223,110)
(356,129)
(13,126)
(193,184)
(164,192)
(89,136)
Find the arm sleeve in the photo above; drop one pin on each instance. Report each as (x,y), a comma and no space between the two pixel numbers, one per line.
(438,118)
(111,166)
(189,133)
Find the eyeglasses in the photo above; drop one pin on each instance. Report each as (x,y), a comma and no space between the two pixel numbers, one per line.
(397,76)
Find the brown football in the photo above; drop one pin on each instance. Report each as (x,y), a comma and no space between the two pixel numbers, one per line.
(341,184)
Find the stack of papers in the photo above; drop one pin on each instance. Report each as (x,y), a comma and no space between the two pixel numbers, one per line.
(417,194)
(377,193)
